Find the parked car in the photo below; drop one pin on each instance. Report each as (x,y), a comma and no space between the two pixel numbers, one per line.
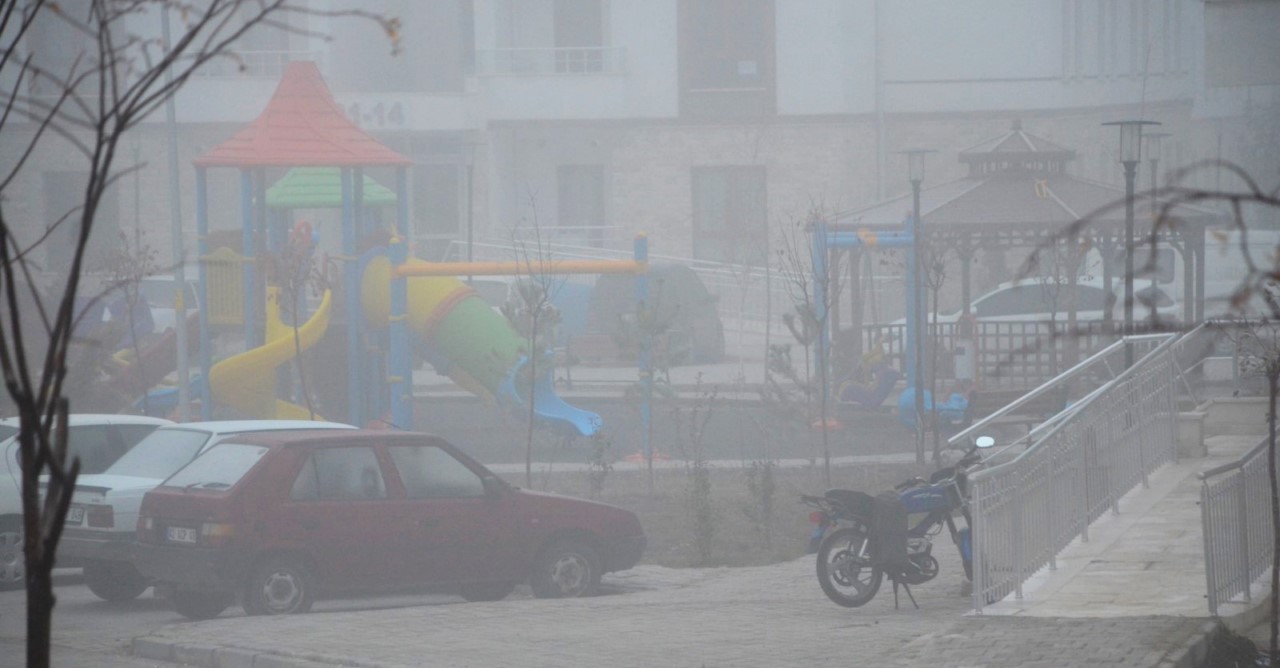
(97,440)
(104,509)
(683,306)
(1033,300)
(275,519)
(159,291)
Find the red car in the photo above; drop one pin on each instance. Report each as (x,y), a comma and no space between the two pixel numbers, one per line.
(273,519)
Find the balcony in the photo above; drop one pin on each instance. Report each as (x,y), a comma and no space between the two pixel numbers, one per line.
(551,61)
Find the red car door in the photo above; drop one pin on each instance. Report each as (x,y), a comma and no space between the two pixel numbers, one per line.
(336,510)
(454,531)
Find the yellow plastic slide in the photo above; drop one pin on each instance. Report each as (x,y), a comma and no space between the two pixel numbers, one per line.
(247,382)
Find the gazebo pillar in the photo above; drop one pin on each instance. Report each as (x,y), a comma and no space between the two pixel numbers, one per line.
(855,303)
(965,252)
(1106,246)
(1197,245)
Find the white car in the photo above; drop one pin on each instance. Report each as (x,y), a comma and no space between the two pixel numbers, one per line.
(98,440)
(1034,300)
(105,506)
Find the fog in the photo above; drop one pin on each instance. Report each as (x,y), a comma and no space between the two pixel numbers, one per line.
(697,234)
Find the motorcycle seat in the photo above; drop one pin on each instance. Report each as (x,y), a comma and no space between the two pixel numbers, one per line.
(858,504)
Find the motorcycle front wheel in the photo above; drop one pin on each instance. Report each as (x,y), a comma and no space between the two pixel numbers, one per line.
(844,567)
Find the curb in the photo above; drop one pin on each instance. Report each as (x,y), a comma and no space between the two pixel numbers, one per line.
(1193,652)
(216,656)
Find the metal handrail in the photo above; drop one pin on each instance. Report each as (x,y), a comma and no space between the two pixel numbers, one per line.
(1239,536)
(1043,389)
(1028,509)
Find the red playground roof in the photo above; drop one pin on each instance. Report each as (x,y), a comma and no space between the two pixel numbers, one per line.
(301,126)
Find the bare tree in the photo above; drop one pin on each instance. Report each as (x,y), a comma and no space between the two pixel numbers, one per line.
(933,255)
(534,317)
(115,79)
(813,295)
(130,262)
(296,273)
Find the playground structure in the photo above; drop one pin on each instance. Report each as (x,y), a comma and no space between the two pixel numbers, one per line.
(912,405)
(386,298)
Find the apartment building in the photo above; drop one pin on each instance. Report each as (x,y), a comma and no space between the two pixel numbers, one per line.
(712,125)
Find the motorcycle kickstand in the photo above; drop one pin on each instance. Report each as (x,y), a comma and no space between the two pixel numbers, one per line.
(906,587)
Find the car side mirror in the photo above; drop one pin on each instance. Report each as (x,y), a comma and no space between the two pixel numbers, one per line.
(493,486)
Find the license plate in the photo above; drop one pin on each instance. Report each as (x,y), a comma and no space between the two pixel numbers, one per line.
(75,514)
(181,535)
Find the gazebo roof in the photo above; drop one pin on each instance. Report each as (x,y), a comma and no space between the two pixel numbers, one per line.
(1016,184)
(1016,147)
(321,188)
(301,126)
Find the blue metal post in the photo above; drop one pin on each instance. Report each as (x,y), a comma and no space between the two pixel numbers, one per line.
(401,368)
(250,276)
(202,251)
(351,300)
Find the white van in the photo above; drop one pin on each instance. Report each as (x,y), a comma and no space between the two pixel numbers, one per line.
(1226,270)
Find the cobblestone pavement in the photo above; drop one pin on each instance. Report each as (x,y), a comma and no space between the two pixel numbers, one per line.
(766,616)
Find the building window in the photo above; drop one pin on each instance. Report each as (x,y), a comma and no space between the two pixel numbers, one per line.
(729,214)
(580,203)
(727,57)
(579,36)
(437,201)
(63,195)
(551,37)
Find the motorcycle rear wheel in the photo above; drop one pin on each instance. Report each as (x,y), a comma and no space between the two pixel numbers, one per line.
(845,571)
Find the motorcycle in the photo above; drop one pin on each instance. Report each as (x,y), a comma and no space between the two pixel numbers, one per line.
(853,545)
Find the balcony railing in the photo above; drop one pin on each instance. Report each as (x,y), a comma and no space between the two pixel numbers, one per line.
(552,61)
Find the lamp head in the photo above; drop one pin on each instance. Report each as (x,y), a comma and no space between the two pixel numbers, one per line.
(915,163)
(1131,139)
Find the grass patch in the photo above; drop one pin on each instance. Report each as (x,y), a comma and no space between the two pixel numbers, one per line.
(741,537)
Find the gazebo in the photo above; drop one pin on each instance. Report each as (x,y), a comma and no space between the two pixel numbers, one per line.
(301,127)
(1018,195)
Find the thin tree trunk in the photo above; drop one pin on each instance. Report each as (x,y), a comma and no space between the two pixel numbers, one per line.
(533,371)
(40,602)
(297,356)
(822,408)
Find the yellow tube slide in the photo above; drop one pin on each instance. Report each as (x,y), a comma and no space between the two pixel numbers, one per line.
(247,382)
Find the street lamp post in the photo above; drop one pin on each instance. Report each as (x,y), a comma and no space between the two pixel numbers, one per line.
(1130,156)
(915,173)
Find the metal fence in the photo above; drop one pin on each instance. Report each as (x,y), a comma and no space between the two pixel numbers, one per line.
(752,299)
(1076,466)
(1239,537)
